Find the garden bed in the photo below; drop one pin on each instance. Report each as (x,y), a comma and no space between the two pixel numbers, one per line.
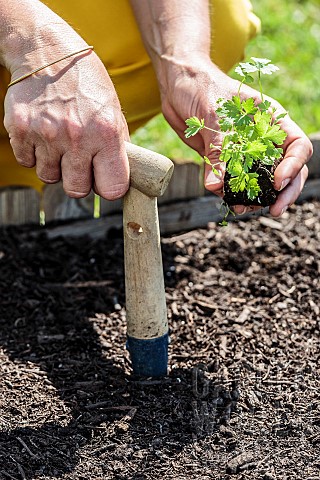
(242,396)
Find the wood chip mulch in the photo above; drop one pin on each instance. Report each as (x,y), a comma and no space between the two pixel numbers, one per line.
(242,397)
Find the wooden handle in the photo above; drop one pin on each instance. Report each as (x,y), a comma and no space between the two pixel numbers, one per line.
(150,172)
(145,294)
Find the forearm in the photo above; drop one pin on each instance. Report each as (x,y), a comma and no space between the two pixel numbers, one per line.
(175,32)
(30,31)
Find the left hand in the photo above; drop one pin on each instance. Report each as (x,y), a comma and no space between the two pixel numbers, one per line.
(192,88)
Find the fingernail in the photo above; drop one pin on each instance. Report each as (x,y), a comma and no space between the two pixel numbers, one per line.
(284,183)
(212,179)
(241,210)
(284,209)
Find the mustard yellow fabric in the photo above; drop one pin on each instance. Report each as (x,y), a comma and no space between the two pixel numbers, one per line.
(110,26)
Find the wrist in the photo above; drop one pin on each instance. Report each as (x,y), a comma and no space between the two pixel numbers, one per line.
(194,66)
(50,43)
(33,36)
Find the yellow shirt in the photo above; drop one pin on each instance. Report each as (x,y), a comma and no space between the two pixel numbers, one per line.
(110,26)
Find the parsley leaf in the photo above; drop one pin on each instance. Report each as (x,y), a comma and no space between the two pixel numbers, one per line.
(255,148)
(194,126)
(275,134)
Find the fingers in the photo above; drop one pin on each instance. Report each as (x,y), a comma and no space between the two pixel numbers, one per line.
(179,126)
(286,198)
(76,172)
(110,163)
(290,194)
(298,150)
(110,167)
(24,153)
(47,163)
(297,155)
(113,160)
(242,209)
(107,172)
(72,128)
(23,148)
(292,172)
(213,175)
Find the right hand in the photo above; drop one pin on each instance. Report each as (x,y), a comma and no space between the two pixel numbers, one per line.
(66,121)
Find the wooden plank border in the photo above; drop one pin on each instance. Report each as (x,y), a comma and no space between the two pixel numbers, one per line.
(19,205)
(174,217)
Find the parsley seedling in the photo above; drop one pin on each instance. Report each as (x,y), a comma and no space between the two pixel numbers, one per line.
(252,135)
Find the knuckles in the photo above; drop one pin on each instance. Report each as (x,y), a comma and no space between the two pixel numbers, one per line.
(17,123)
(105,126)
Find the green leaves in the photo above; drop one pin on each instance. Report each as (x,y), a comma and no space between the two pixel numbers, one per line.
(253,137)
(238,183)
(235,113)
(245,181)
(194,126)
(249,107)
(255,149)
(207,161)
(262,122)
(252,134)
(267,130)
(260,65)
(253,188)
(275,134)
(264,65)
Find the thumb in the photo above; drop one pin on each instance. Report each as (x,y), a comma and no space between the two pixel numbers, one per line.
(214,172)
(212,181)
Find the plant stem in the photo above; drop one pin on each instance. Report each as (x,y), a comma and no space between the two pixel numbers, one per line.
(260,84)
(212,130)
(241,83)
(215,147)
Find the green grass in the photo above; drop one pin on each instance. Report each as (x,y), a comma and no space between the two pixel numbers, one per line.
(290,37)
(158,136)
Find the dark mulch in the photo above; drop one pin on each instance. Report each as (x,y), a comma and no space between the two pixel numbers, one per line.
(242,396)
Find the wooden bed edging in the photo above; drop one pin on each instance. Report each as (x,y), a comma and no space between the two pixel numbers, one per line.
(185,204)
(174,217)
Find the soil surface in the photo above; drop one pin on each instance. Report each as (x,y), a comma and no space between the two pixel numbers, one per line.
(241,400)
(267,195)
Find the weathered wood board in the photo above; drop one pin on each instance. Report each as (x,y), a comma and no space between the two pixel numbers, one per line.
(184,205)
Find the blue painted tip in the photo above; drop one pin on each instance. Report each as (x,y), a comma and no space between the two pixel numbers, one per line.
(149,357)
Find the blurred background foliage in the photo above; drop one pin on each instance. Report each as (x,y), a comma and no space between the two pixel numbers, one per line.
(290,37)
